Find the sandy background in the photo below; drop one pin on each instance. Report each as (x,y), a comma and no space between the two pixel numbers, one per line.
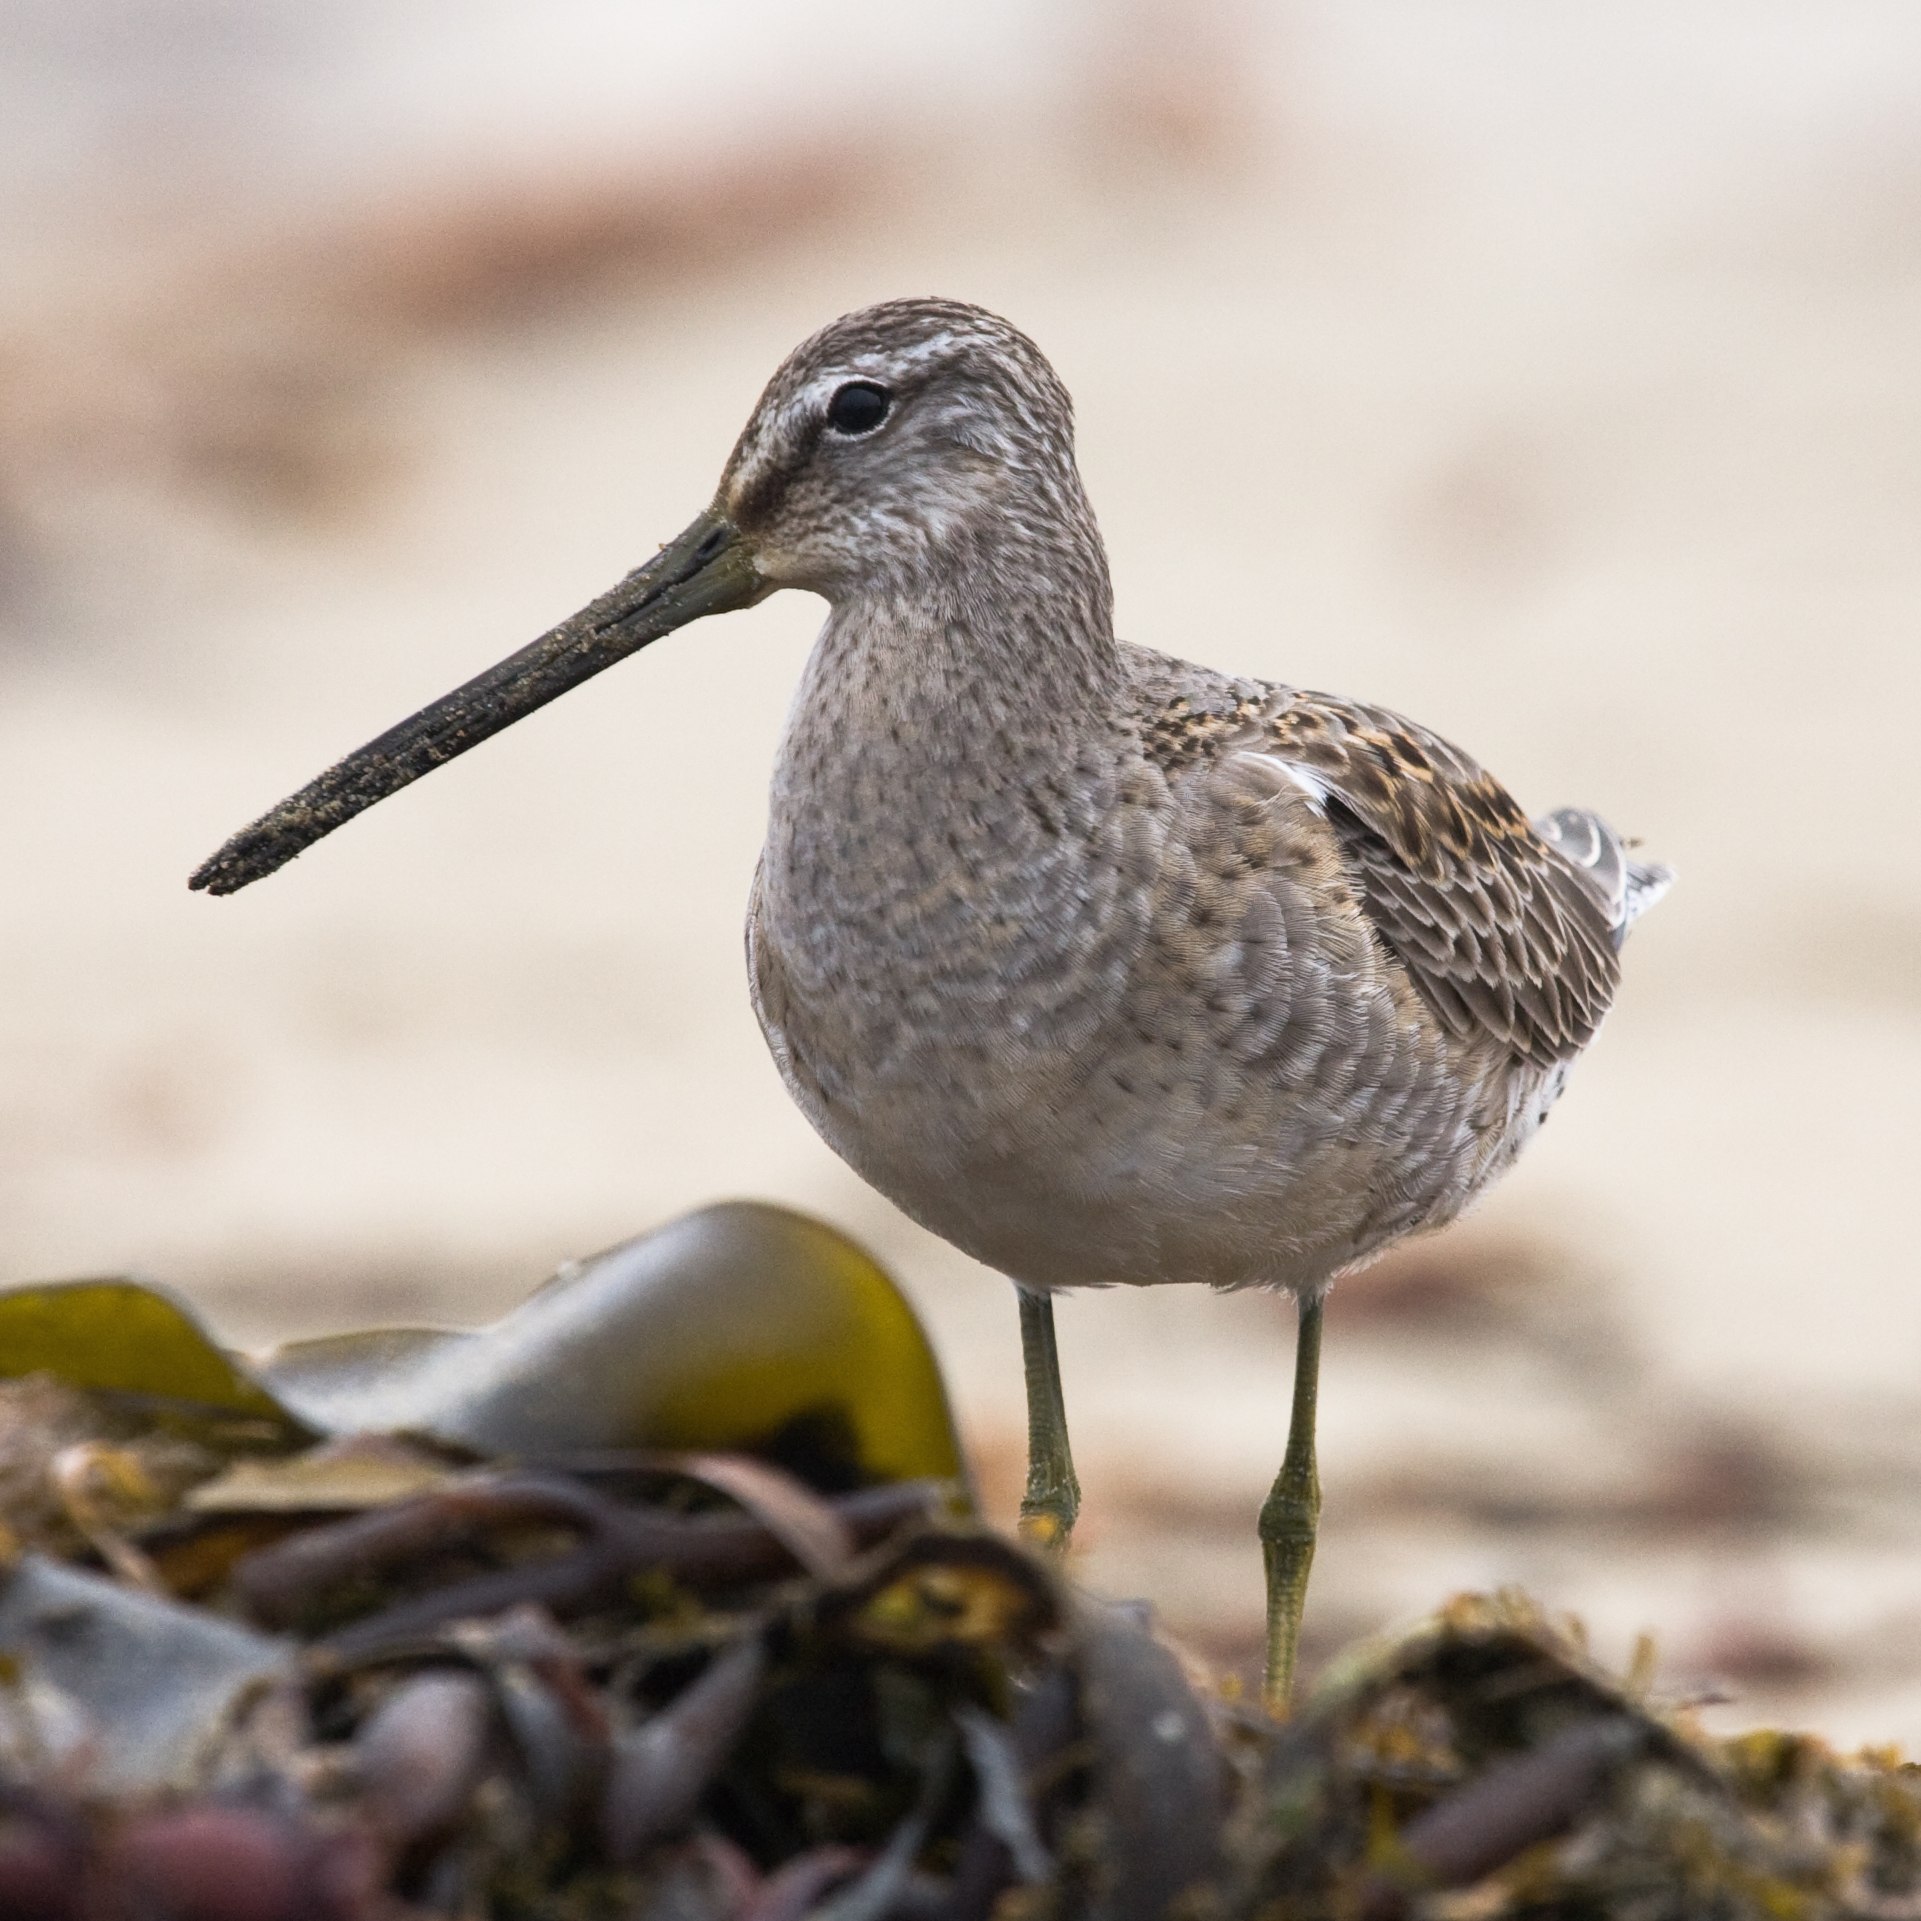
(1549,373)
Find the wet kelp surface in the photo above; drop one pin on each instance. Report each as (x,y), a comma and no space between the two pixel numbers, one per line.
(563,1646)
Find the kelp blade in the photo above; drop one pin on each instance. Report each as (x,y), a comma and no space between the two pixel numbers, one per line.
(127,1337)
(741,1326)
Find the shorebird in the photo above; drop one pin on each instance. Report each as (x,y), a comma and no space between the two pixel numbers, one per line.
(1106,967)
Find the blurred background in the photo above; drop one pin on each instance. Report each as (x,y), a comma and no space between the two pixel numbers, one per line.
(1550,373)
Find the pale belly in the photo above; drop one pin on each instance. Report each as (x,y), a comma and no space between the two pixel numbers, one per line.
(1154,1147)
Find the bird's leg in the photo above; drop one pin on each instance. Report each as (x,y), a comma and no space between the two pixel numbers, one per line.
(1290,1516)
(1053,1496)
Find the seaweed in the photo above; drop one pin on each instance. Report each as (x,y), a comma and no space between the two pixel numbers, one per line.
(411,1625)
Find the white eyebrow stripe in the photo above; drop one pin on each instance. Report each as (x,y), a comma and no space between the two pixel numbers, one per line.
(874,366)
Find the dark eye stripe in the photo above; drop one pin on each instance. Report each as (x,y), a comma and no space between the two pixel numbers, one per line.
(858,407)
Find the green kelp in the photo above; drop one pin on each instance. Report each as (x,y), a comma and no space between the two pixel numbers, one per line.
(263,1658)
(137,1341)
(740,1327)
(619,1684)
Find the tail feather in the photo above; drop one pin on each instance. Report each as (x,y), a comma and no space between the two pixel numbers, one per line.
(1627,887)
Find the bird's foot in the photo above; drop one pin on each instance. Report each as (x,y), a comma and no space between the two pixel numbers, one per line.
(1290,1519)
(1048,1513)
(1053,1496)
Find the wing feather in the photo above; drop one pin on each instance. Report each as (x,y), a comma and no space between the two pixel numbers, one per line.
(1503,934)
(1508,928)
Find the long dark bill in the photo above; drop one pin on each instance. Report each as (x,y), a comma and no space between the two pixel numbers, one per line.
(708,570)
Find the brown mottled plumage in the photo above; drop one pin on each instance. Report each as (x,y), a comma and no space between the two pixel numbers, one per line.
(1498,927)
(1106,967)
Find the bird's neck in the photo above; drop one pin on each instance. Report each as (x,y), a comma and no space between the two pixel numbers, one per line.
(983,662)
(958,729)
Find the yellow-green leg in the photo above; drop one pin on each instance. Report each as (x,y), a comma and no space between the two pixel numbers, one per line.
(1290,1516)
(1053,1496)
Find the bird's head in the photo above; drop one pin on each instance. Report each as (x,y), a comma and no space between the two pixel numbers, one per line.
(890,450)
(896,445)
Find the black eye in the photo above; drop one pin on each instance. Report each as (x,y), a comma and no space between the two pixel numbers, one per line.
(858,408)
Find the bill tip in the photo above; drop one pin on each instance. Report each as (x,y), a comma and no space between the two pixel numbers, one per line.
(224,873)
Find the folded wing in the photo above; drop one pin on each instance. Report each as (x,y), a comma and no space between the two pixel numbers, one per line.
(1508,928)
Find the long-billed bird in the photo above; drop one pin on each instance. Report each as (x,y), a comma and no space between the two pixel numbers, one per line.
(1106,967)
